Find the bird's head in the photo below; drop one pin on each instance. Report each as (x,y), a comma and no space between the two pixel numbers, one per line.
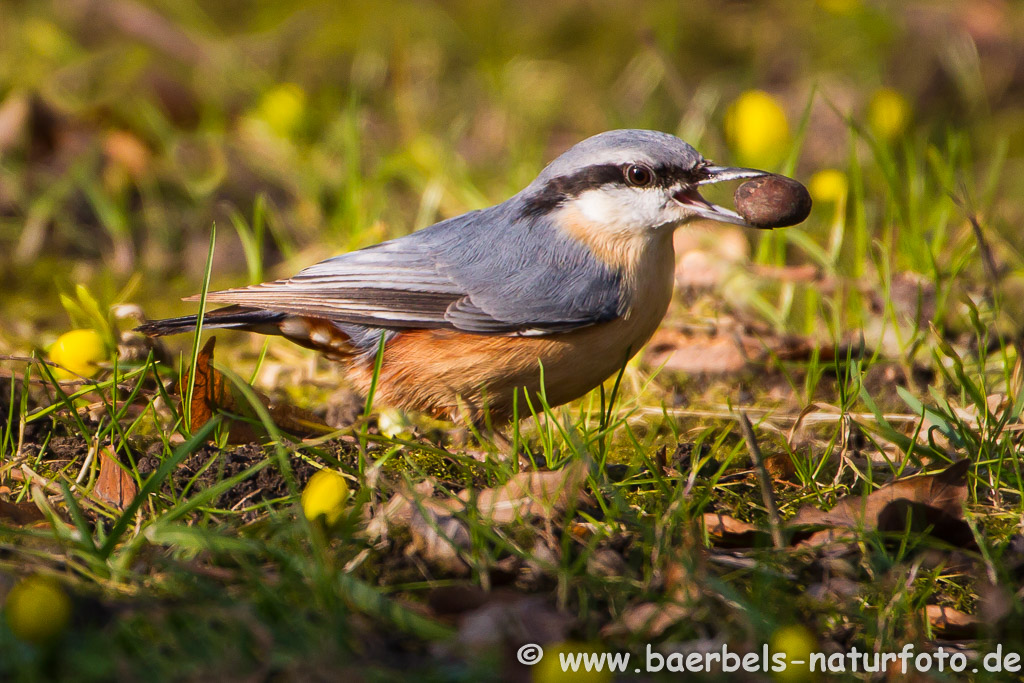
(630,182)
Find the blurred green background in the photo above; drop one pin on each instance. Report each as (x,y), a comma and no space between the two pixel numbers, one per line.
(128,128)
(303,129)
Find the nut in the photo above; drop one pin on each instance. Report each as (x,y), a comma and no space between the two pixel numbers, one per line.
(772,201)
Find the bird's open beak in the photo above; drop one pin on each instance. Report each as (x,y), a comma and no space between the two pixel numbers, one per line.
(715,174)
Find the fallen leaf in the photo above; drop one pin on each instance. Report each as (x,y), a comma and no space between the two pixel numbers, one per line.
(438,540)
(731,532)
(114,485)
(723,351)
(399,509)
(438,534)
(530,494)
(646,619)
(934,500)
(905,515)
(607,563)
(295,420)
(951,623)
(25,512)
(779,465)
(211,394)
(698,354)
(207,388)
(834,590)
(542,561)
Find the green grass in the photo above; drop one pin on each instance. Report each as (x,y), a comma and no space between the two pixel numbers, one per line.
(307,130)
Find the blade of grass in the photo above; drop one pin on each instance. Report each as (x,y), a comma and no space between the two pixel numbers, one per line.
(186,412)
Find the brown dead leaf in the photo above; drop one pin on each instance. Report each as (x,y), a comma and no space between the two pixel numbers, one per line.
(114,485)
(531,494)
(902,515)
(438,540)
(951,623)
(698,353)
(731,532)
(399,509)
(438,534)
(295,420)
(934,500)
(834,590)
(779,465)
(607,563)
(208,394)
(543,560)
(646,620)
(211,394)
(25,512)
(723,351)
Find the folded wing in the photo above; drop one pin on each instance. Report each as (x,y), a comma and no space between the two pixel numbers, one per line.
(451,275)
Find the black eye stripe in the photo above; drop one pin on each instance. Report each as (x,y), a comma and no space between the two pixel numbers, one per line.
(558,190)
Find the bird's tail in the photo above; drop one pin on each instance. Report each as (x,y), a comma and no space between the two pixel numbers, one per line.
(230,317)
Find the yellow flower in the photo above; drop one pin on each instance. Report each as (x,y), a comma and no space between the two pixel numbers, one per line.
(549,668)
(77,352)
(798,643)
(324,496)
(840,6)
(282,108)
(888,113)
(757,129)
(37,609)
(46,38)
(828,186)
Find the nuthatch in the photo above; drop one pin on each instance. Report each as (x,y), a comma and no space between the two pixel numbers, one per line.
(564,281)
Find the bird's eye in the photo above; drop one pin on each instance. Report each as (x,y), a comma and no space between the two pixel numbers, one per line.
(639,176)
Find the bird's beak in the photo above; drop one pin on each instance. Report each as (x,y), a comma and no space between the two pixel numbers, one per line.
(690,197)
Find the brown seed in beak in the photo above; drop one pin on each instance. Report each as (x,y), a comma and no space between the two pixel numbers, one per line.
(772,201)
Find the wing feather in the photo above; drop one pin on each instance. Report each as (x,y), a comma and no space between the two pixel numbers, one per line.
(453,274)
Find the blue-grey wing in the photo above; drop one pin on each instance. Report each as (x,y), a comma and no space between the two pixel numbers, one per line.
(484,272)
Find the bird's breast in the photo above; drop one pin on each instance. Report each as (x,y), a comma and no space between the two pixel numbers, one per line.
(444,371)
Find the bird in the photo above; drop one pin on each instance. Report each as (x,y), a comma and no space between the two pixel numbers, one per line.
(543,296)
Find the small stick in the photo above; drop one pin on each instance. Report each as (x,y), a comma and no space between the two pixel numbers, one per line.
(774,521)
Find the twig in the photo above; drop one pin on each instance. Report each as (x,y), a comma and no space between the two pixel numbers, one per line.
(774,521)
(27,475)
